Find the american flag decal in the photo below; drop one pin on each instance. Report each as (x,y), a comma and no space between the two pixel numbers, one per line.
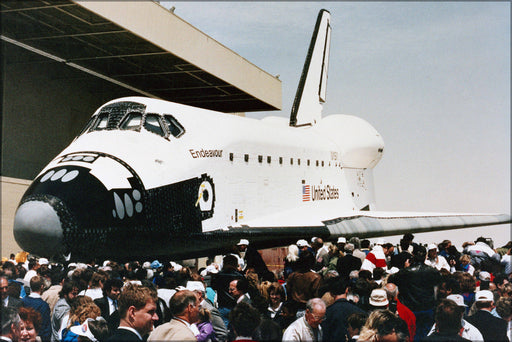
(306,193)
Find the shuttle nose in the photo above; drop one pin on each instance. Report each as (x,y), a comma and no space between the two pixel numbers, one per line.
(38,228)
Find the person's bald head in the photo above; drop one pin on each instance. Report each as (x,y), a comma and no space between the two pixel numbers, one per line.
(391,290)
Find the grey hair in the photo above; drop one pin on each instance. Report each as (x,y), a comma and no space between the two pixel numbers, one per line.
(9,317)
(349,248)
(392,293)
(355,241)
(310,305)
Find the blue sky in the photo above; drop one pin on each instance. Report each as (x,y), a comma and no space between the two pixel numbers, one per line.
(432,77)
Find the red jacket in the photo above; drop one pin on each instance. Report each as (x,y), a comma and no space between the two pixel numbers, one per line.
(408,316)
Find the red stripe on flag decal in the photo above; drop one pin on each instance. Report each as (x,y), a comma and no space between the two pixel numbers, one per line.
(306,193)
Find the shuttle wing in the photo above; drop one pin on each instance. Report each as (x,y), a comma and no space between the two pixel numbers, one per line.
(273,231)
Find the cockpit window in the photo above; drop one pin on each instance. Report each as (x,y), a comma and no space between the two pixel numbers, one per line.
(131,121)
(101,122)
(153,125)
(174,126)
(89,125)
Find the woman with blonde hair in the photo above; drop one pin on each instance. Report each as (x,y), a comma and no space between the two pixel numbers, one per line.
(291,260)
(383,325)
(263,287)
(82,308)
(465,263)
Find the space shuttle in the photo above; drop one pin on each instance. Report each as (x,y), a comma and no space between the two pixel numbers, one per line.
(151,178)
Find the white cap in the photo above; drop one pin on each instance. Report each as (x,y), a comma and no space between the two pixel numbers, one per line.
(176,266)
(243,242)
(83,330)
(146,265)
(458,299)
(43,261)
(211,269)
(195,286)
(342,240)
(484,276)
(484,296)
(302,243)
(431,246)
(313,239)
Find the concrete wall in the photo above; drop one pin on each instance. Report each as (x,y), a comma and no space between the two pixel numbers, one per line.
(45,105)
(12,191)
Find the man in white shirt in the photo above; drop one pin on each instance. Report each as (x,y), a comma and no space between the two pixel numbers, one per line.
(108,304)
(307,328)
(468,330)
(238,289)
(435,260)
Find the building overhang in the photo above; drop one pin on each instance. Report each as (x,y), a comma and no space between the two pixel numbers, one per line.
(142,46)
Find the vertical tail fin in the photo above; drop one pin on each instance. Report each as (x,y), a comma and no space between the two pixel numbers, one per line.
(307,106)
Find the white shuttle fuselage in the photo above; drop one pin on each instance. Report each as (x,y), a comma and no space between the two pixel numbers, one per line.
(258,167)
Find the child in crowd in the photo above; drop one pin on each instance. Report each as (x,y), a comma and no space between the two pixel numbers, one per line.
(205,327)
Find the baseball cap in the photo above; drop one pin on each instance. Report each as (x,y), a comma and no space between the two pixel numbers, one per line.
(458,299)
(341,240)
(484,296)
(432,246)
(302,243)
(195,286)
(43,261)
(83,330)
(484,275)
(156,264)
(243,242)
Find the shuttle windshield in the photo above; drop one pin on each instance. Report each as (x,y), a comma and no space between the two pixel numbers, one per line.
(135,120)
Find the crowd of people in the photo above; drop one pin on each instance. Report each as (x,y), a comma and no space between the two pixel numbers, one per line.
(338,291)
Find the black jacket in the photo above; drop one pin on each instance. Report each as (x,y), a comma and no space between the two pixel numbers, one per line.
(14,302)
(112,319)
(438,337)
(123,335)
(347,264)
(253,259)
(335,324)
(492,328)
(220,283)
(416,286)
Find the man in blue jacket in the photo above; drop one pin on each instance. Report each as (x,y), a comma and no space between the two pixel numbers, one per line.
(33,300)
(335,324)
